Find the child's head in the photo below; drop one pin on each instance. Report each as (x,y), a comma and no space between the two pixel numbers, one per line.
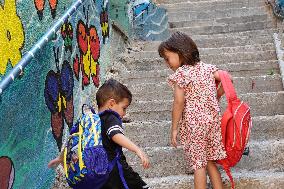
(115,96)
(179,50)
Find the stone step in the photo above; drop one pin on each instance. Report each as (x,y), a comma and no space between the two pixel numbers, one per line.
(253,37)
(213,51)
(166,161)
(210,22)
(236,70)
(207,4)
(262,104)
(147,88)
(155,134)
(243,180)
(187,14)
(138,63)
(219,28)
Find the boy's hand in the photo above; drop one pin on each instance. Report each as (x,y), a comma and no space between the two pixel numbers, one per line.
(174,137)
(144,158)
(54,163)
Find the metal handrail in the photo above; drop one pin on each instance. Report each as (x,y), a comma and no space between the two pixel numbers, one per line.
(18,69)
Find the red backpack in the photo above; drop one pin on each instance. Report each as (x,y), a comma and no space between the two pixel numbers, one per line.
(235,126)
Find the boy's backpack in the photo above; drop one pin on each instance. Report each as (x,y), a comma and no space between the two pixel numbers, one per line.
(86,163)
(236,124)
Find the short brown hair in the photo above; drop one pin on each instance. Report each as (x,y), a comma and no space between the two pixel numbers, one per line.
(112,89)
(183,45)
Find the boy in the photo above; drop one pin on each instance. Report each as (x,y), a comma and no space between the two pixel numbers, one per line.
(113,98)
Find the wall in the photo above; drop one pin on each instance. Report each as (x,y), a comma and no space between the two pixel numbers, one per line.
(150,22)
(38,108)
(140,19)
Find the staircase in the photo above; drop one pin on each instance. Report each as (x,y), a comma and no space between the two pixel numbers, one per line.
(235,35)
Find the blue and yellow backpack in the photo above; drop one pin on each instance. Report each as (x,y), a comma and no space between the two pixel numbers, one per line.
(85,161)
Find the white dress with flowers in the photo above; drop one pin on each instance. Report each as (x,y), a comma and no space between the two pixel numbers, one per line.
(200,132)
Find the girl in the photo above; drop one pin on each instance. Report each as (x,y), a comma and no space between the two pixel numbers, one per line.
(195,108)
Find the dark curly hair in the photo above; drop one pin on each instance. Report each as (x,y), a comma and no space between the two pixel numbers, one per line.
(183,45)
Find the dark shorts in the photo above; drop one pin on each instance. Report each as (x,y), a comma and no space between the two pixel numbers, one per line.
(133,180)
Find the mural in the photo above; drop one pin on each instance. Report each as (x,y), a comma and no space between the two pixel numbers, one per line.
(104,22)
(280,3)
(277,7)
(139,7)
(11,35)
(7,173)
(39,5)
(140,19)
(37,110)
(89,49)
(120,14)
(67,35)
(58,94)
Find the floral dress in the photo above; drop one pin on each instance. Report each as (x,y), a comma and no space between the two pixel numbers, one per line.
(200,131)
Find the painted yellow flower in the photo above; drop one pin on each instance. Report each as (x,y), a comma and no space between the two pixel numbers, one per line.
(11,35)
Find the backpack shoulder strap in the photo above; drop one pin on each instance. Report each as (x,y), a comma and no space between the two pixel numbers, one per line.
(227,85)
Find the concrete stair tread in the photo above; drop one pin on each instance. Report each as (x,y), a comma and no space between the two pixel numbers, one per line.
(165,161)
(235,69)
(224,28)
(262,104)
(146,57)
(253,36)
(237,19)
(218,21)
(147,64)
(213,14)
(157,133)
(215,50)
(207,5)
(150,85)
(243,179)
(166,72)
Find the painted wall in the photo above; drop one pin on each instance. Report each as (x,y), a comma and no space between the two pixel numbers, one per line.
(37,109)
(150,22)
(140,19)
(280,3)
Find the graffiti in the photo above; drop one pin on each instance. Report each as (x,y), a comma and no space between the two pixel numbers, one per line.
(280,3)
(149,21)
(7,173)
(11,35)
(104,22)
(58,93)
(67,35)
(139,7)
(89,48)
(39,5)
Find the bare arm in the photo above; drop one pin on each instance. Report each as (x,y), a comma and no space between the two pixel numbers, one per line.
(55,162)
(178,106)
(123,141)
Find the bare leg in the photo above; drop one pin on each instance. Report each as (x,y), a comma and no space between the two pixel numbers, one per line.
(200,178)
(214,174)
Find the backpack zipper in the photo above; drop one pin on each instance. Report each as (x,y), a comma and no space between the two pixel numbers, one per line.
(241,128)
(235,124)
(249,130)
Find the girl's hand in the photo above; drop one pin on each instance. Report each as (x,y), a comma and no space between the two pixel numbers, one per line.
(174,138)
(144,159)
(54,163)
